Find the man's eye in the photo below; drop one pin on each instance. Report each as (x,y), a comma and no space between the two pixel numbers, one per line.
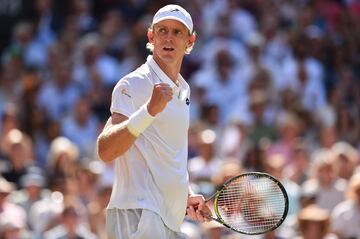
(178,32)
(162,30)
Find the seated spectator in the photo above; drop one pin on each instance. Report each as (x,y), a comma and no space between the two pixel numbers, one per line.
(86,179)
(254,158)
(59,93)
(93,68)
(327,136)
(314,223)
(261,128)
(324,180)
(70,226)
(297,171)
(33,189)
(62,157)
(346,159)
(11,229)
(206,164)
(19,154)
(96,211)
(288,127)
(221,84)
(346,215)
(81,127)
(304,74)
(32,52)
(45,213)
(12,217)
(9,121)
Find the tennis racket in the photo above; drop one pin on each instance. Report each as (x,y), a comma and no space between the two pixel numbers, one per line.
(250,203)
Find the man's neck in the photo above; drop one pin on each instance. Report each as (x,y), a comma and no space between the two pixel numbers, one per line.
(172,71)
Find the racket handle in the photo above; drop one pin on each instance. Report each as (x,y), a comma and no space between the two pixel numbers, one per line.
(208,216)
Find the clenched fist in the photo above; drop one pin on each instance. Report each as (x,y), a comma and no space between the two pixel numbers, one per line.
(161,95)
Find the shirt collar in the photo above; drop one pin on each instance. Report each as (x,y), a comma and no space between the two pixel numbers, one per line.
(160,73)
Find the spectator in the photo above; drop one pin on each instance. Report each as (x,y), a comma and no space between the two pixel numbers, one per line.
(62,158)
(93,68)
(58,94)
(44,213)
(314,223)
(87,179)
(221,40)
(96,210)
(31,51)
(82,127)
(260,128)
(19,154)
(221,84)
(206,164)
(85,21)
(69,226)
(305,75)
(9,121)
(288,127)
(298,170)
(210,119)
(324,180)
(33,190)
(327,137)
(12,217)
(346,159)
(235,143)
(345,216)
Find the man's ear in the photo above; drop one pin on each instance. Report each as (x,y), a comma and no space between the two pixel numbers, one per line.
(192,40)
(150,36)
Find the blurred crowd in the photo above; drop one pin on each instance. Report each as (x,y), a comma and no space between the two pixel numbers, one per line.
(275,88)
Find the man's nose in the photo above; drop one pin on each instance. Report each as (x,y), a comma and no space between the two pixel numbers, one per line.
(169,36)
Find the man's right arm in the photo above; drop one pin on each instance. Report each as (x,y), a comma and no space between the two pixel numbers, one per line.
(115,139)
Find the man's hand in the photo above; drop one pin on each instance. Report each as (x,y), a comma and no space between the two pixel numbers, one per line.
(197,209)
(161,95)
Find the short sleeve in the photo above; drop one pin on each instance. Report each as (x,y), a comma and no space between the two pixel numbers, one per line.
(121,100)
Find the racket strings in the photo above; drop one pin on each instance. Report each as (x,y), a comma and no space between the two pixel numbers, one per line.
(250,204)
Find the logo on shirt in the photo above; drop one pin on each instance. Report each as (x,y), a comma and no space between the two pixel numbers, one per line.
(187,101)
(123,91)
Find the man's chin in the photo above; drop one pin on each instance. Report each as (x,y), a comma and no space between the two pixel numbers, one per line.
(168,58)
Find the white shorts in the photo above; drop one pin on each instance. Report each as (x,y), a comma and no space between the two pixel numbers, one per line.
(137,224)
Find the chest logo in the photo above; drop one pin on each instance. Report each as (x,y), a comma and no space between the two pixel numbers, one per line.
(187,101)
(123,91)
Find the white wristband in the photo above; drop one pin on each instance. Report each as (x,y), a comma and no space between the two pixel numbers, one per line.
(139,121)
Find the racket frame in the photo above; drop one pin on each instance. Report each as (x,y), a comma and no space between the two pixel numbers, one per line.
(258,174)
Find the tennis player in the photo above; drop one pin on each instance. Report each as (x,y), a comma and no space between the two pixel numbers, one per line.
(146,135)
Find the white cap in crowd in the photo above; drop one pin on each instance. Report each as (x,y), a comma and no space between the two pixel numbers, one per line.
(174,12)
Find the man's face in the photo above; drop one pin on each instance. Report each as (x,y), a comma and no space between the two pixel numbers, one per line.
(170,39)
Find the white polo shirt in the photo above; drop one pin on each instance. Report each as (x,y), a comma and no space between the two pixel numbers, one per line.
(152,174)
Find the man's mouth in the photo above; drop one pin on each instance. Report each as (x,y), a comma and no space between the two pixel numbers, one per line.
(168,49)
